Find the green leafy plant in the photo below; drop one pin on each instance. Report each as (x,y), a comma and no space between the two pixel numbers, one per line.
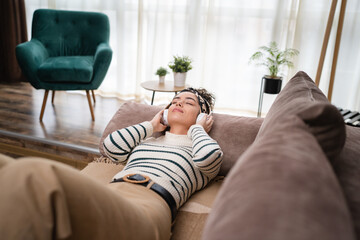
(273,58)
(161,71)
(180,64)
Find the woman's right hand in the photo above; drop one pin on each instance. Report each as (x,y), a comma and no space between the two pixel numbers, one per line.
(156,122)
(206,122)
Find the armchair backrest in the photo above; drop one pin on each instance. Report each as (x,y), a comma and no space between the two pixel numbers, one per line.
(70,33)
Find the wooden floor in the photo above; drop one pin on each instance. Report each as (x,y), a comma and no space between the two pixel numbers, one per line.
(67,121)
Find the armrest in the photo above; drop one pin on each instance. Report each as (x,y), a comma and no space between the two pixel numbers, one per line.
(103,51)
(30,55)
(102,59)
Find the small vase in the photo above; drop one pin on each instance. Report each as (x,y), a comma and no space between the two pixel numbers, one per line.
(161,79)
(179,79)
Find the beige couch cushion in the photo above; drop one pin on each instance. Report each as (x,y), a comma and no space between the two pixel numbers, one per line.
(191,217)
(233,133)
(283,186)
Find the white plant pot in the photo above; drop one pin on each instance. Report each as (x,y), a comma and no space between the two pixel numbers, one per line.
(179,79)
(161,79)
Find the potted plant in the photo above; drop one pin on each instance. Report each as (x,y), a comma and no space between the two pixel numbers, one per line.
(180,66)
(161,72)
(274,59)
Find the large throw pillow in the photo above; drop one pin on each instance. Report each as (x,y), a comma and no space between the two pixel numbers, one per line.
(191,217)
(298,94)
(282,187)
(233,133)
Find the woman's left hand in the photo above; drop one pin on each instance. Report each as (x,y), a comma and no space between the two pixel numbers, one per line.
(206,122)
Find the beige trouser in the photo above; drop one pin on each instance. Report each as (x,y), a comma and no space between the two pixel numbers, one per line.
(42,199)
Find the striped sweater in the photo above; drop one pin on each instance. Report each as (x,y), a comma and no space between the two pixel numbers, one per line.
(182,164)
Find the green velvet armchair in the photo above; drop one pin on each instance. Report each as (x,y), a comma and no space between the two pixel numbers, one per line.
(69,50)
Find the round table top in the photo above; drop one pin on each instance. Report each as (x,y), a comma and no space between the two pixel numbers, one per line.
(167,86)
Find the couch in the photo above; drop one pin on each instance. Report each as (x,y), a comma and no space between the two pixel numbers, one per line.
(293,175)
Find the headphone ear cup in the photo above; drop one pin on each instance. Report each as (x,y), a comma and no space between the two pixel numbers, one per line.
(165,117)
(200,116)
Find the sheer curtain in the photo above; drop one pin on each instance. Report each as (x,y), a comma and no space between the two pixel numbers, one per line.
(220,36)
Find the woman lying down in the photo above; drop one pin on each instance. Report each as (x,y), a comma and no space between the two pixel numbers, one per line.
(48,200)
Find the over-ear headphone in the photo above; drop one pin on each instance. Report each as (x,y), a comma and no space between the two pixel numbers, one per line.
(165,117)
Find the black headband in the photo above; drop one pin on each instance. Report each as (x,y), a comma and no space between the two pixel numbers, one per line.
(204,104)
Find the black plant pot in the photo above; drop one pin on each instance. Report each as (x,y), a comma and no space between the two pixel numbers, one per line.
(272,85)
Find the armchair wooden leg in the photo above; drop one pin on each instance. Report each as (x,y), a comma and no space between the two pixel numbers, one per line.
(93,95)
(90,105)
(53,96)
(44,104)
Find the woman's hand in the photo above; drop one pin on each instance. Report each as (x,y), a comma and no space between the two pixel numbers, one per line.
(206,122)
(156,122)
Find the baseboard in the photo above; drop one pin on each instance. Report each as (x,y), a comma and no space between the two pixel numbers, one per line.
(19,145)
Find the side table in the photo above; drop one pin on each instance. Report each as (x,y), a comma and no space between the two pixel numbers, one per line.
(156,86)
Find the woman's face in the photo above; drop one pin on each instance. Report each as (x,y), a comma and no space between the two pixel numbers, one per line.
(184,109)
